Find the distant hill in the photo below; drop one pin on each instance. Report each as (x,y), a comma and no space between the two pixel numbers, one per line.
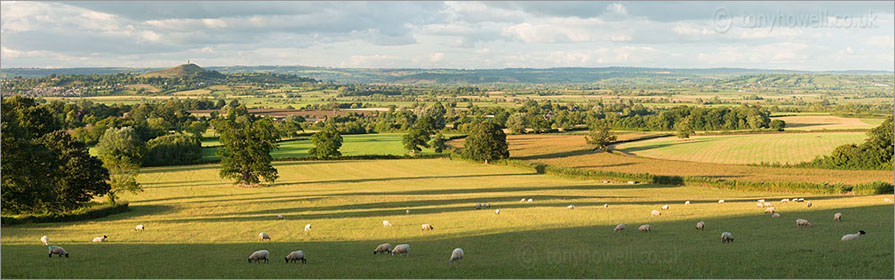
(183,70)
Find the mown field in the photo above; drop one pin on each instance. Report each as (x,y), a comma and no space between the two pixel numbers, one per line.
(826,122)
(572,151)
(352,145)
(789,148)
(199,226)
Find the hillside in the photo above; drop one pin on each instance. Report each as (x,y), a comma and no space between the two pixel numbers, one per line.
(183,70)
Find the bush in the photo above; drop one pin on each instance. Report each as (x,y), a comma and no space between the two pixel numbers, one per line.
(877,187)
(86,213)
(173,149)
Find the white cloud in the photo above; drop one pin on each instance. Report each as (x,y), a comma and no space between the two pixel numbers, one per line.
(436,57)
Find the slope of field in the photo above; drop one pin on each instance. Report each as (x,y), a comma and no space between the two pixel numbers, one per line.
(199,226)
(572,151)
(786,148)
(809,122)
(352,145)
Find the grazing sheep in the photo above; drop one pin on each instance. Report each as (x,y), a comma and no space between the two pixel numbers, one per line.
(308,228)
(687,202)
(401,249)
(644,228)
(497,212)
(767,204)
(632,182)
(837,217)
(700,225)
(721,201)
(809,204)
(407,211)
(100,238)
(296,256)
(259,255)
(523,200)
(758,204)
(488,205)
(619,227)
(606,205)
(478,206)
(45,240)
(853,236)
(784,200)
(726,237)
(761,200)
(386,224)
(383,248)
(571,207)
(428,227)
(655,213)
(775,215)
(530,200)
(887,200)
(262,236)
(56,250)
(456,255)
(803,223)
(665,207)
(801,199)
(279,216)
(605,181)
(770,210)
(140,228)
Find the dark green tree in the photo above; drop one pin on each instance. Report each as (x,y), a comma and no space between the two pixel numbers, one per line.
(122,154)
(415,139)
(486,142)
(437,142)
(326,143)
(178,148)
(600,137)
(245,149)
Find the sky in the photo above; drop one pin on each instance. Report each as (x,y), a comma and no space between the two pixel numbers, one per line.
(816,36)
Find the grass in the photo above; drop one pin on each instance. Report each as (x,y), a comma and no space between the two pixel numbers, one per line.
(199,226)
(744,149)
(826,122)
(352,145)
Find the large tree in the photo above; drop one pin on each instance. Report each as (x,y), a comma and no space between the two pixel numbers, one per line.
(245,148)
(326,143)
(415,140)
(122,154)
(486,141)
(599,136)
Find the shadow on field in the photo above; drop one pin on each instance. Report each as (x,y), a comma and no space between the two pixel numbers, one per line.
(179,168)
(138,211)
(764,247)
(400,178)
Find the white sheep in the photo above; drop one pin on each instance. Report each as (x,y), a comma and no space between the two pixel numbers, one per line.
(477,206)
(619,227)
(56,250)
(726,237)
(428,227)
(530,200)
(386,223)
(456,255)
(279,216)
(853,236)
(655,213)
(802,223)
(837,217)
(809,204)
(700,225)
(307,227)
(262,236)
(687,202)
(497,212)
(775,215)
(770,210)
(721,201)
(401,249)
(801,199)
(488,205)
(758,204)
(644,228)
(887,200)
(45,240)
(383,248)
(605,182)
(296,256)
(665,207)
(571,207)
(767,204)
(523,200)
(784,200)
(259,255)
(761,200)
(140,228)
(632,182)
(407,211)
(100,238)
(606,205)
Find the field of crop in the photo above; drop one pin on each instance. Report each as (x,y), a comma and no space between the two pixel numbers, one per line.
(787,148)
(199,226)
(821,122)
(572,151)
(352,145)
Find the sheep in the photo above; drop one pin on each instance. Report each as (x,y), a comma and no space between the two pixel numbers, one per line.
(407,211)
(478,206)
(488,205)
(775,215)
(761,200)
(456,255)
(887,200)
(785,200)
(809,204)
(56,250)
(571,207)
(383,248)
(308,228)
(140,228)
(262,236)
(259,255)
(428,227)
(721,201)
(644,228)
(853,236)
(726,237)
(801,199)
(606,205)
(401,249)
(700,225)
(100,238)
(837,217)
(605,181)
(687,202)
(530,200)
(45,240)
(619,227)
(770,210)
(497,212)
(296,256)
(665,207)
(523,200)
(758,204)
(386,223)
(279,216)
(802,223)
(655,213)
(767,204)
(632,182)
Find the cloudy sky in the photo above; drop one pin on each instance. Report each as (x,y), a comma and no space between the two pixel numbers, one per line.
(469,35)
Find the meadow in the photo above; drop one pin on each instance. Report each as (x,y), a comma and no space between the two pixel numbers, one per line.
(827,122)
(200,226)
(784,148)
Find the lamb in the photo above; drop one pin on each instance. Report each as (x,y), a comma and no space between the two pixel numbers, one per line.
(428,227)
(687,202)
(456,255)
(655,213)
(721,201)
(296,256)
(619,227)
(383,248)
(140,228)
(259,255)
(497,212)
(45,240)
(802,223)
(386,223)
(726,237)
(644,228)
(401,249)
(262,236)
(809,203)
(700,225)
(853,236)
(279,216)
(571,207)
(665,207)
(100,238)
(837,217)
(775,215)
(56,250)
(770,210)
(308,228)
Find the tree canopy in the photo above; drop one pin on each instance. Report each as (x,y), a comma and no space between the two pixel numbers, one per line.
(246,144)
(326,143)
(122,154)
(486,142)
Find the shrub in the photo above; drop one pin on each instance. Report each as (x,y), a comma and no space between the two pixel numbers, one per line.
(86,213)
(173,149)
(876,187)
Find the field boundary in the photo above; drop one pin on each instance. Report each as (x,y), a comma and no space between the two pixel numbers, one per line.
(86,213)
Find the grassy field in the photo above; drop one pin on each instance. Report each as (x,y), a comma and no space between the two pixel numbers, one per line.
(352,145)
(572,151)
(199,226)
(789,148)
(821,122)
